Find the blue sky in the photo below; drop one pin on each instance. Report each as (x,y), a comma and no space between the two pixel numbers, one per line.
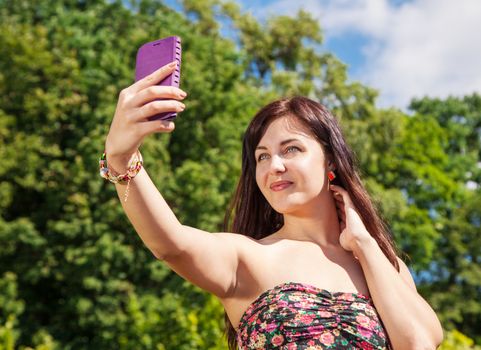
(403,48)
(347,47)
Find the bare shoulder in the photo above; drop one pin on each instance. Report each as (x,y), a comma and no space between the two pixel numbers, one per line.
(244,245)
(234,237)
(243,240)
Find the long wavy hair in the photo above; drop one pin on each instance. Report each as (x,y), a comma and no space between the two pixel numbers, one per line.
(253,216)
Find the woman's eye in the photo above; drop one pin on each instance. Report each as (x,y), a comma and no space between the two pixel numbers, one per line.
(292,149)
(261,157)
(287,150)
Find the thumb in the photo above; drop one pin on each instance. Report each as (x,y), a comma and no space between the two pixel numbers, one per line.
(338,189)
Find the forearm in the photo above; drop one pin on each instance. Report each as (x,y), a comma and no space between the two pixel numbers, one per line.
(149,213)
(409,320)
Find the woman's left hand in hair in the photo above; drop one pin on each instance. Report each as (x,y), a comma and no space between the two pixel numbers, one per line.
(353,231)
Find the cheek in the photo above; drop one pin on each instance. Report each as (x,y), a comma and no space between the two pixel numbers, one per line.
(312,172)
(259,174)
(307,168)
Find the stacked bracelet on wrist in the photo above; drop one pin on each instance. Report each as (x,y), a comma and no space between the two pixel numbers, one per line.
(132,171)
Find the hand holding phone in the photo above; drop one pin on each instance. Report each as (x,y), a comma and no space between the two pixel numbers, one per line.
(155,54)
(145,107)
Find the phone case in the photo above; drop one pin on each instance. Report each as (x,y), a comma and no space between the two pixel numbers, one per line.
(155,54)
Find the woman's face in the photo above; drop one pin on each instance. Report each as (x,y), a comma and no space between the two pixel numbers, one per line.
(290,166)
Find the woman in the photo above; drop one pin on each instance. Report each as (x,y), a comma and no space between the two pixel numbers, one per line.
(311,264)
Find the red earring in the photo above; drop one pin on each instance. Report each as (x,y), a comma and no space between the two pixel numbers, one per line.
(331,175)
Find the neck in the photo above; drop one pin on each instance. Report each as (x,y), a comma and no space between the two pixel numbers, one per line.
(318,224)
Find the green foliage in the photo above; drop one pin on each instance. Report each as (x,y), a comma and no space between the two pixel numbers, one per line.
(454,285)
(74,254)
(74,274)
(455,340)
(11,307)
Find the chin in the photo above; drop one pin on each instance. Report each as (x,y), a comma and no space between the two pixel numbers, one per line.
(292,207)
(286,209)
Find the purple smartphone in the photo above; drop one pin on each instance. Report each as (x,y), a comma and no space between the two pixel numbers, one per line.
(155,54)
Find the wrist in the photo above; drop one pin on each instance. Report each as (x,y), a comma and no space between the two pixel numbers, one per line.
(109,173)
(363,244)
(119,160)
(119,164)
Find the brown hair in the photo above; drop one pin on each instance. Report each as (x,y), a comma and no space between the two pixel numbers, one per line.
(253,215)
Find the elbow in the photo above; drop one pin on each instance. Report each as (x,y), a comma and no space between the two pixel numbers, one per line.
(439,337)
(165,251)
(428,344)
(436,337)
(161,255)
(158,255)
(425,345)
(425,342)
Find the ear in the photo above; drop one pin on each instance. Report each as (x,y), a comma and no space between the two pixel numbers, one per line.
(331,164)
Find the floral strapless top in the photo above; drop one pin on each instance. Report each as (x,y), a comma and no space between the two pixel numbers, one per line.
(300,316)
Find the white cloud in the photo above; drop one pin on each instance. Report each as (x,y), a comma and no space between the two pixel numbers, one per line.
(418,48)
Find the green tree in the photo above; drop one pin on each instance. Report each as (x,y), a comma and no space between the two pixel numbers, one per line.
(75,275)
(77,260)
(454,278)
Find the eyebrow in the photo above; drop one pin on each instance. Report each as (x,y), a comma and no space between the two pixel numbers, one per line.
(282,143)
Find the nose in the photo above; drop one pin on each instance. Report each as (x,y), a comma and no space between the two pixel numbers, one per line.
(277,165)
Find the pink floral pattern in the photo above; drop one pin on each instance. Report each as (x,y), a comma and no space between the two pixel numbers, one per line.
(295,316)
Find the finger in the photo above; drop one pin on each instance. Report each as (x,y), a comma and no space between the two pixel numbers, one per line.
(336,188)
(337,195)
(154,78)
(154,92)
(339,202)
(339,198)
(342,191)
(159,125)
(156,107)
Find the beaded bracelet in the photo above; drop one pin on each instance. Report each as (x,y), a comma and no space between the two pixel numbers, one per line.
(132,171)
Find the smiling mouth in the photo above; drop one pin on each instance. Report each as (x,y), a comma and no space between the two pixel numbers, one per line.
(281,186)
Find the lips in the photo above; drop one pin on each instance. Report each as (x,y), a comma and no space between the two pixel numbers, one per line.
(280,185)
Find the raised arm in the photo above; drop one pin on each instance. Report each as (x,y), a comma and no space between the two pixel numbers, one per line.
(410,321)
(209,260)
